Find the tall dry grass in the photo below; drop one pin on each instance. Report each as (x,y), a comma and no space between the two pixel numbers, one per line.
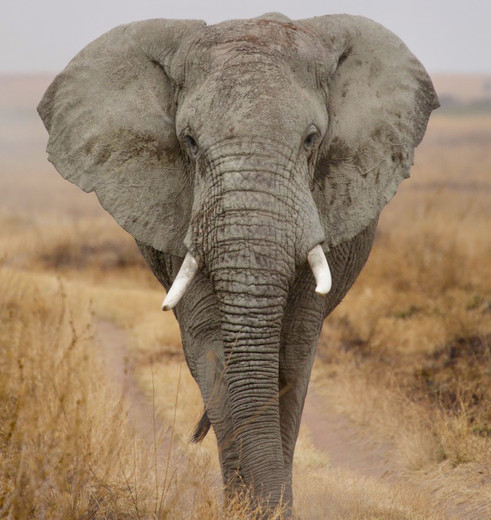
(407,355)
(67,447)
(58,414)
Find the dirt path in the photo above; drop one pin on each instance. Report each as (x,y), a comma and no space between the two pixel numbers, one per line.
(116,356)
(347,446)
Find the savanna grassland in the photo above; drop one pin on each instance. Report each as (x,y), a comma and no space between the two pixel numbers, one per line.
(97,405)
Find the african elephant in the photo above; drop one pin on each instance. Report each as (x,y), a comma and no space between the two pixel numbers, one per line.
(250,160)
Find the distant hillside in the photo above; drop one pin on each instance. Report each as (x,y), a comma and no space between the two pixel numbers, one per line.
(463,87)
(23,90)
(463,93)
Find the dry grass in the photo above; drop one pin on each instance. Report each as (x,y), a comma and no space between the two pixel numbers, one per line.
(67,449)
(56,409)
(421,308)
(407,354)
(405,357)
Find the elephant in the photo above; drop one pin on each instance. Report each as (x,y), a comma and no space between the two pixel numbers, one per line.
(250,161)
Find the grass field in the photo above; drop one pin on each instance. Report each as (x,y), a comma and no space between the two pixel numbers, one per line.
(404,362)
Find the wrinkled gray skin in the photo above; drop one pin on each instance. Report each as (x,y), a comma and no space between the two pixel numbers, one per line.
(246,143)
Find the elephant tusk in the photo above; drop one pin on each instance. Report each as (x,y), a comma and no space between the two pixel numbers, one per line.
(184,277)
(320,268)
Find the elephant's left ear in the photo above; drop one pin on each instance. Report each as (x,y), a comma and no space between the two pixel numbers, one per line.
(379,100)
(111,119)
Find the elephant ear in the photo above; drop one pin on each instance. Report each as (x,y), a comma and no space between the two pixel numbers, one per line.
(110,116)
(379,101)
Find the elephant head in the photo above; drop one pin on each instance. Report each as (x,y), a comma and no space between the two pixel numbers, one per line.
(250,148)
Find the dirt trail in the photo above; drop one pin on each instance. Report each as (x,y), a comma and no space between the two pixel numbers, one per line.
(331,433)
(116,356)
(347,446)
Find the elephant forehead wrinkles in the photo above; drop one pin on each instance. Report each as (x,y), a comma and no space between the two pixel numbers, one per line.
(278,42)
(270,34)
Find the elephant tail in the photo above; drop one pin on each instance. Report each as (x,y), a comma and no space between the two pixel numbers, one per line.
(202,428)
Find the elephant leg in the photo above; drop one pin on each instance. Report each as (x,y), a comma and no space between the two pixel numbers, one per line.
(200,326)
(203,347)
(301,329)
(204,355)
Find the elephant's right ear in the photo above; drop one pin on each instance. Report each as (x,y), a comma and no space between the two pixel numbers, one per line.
(379,100)
(110,116)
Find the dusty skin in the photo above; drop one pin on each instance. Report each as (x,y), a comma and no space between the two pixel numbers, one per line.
(400,375)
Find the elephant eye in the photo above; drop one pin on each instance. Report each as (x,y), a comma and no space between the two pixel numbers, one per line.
(191,144)
(311,138)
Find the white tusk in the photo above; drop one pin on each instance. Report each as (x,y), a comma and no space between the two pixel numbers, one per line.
(320,268)
(184,277)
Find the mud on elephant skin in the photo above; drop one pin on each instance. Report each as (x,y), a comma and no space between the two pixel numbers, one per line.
(255,150)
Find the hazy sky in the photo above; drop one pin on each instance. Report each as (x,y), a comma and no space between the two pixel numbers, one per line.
(43,35)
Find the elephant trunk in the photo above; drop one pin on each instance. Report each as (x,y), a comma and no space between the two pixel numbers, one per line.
(254,226)
(251,278)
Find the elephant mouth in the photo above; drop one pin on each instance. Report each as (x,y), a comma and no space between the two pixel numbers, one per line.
(315,258)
